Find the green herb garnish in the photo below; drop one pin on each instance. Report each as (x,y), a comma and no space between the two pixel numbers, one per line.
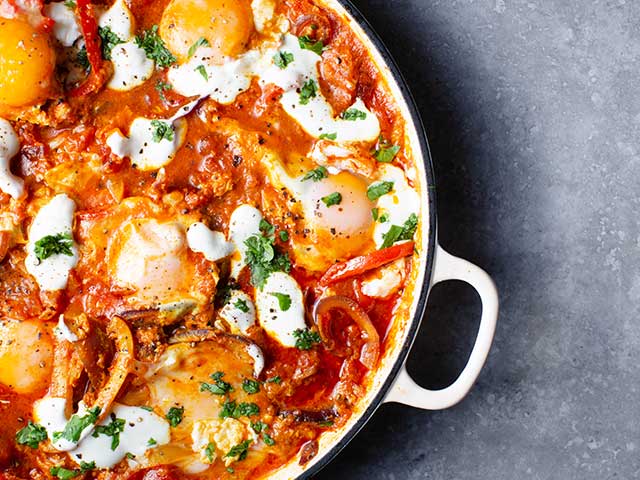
(376,190)
(231,409)
(263,259)
(283,59)
(201,42)
(59,244)
(284,300)
(113,430)
(241,450)
(268,440)
(353,114)
(305,338)
(250,386)
(154,47)
(219,387)
(152,442)
(284,235)
(209,452)
(386,152)
(334,198)
(31,435)
(64,473)
(161,131)
(308,91)
(241,305)
(76,425)
(328,136)
(316,174)
(398,233)
(202,71)
(174,415)
(161,87)
(307,43)
(109,41)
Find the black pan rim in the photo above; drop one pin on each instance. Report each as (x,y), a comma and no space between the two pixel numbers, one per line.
(416,119)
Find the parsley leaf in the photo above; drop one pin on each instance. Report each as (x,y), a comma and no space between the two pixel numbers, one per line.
(31,435)
(282,59)
(202,71)
(308,91)
(385,153)
(109,40)
(268,440)
(74,427)
(113,430)
(353,114)
(59,244)
(174,415)
(284,235)
(201,42)
(384,218)
(259,426)
(82,59)
(398,233)
(155,48)
(284,300)
(231,409)
(374,213)
(305,338)
(263,259)
(328,136)
(376,190)
(307,43)
(209,452)
(316,174)
(241,305)
(64,473)
(241,450)
(266,228)
(277,380)
(219,387)
(70,4)
(326,423)
(86,466)
(334,198)
(151,442)
(250,386)
(162,131)
(161,87)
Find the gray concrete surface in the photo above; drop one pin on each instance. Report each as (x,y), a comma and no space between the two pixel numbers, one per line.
(533,113)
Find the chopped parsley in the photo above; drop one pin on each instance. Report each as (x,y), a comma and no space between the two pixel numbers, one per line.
(307,43)
(241,450)
(334,198)
(305,338)
(31,435)
(231,409)
(308,91)
(282,59)
(284,300)
(230,470)
(147,408)
(328,136)
(210,452)
(277,380)
(316,174)
(59,244)
(109,40)
(259,426)
(398,233)
(384,218)
(162,131)
(154,47)
(64,473)
(263,259)
(201,42)
(82,59)
(377,217)
(378,189)
(284,235)
(218,387)
(174,415)
(202,71)
(268,440)
(151,442)
(250,386)
(74,427)
(113,430)
(86,466)
(161,87)
(130,455)
(70,4)
(241,305)
(353,114)
(326,423)
(386,152)
(266,228)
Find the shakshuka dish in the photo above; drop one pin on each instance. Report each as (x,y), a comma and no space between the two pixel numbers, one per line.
(208,217)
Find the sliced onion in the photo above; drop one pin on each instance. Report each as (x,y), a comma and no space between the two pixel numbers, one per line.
(371,349)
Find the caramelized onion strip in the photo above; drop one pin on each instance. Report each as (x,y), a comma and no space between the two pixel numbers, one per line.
(371,349)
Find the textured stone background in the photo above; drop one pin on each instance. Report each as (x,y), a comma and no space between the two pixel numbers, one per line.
(533,113)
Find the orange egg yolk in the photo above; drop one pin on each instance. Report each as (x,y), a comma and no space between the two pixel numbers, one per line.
(27,63)
(226,25)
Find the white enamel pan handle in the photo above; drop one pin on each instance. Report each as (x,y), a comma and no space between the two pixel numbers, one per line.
(408,392)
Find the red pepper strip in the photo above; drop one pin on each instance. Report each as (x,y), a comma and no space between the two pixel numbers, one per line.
(362,264)
(89,28)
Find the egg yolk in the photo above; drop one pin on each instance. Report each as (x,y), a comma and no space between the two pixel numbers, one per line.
(26,64)
(226,25)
